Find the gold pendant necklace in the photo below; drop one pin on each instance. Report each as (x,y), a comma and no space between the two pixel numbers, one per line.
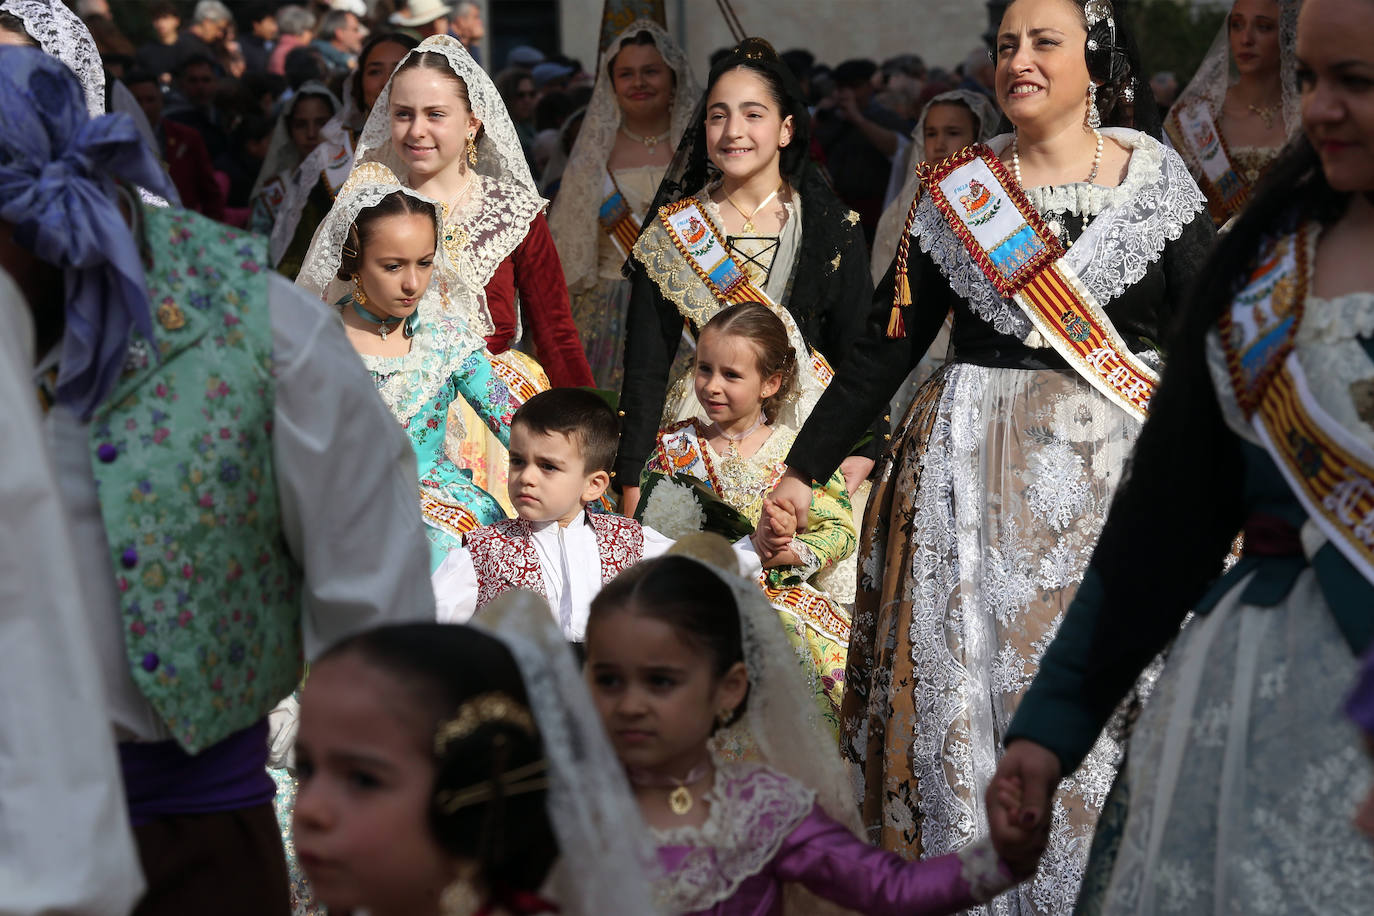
(1266,113)
(748,227)
(680,800)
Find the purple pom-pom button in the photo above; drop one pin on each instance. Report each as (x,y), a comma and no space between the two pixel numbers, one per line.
(106,452)
(150,662)
(129,558)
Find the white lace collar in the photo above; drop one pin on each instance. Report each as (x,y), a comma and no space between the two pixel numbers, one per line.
(753,810)
(496,218)
(1132,225)
(437,350)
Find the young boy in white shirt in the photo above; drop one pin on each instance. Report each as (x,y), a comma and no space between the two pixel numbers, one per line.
(562,445)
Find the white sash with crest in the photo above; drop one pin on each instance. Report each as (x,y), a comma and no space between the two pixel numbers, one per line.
(1330,470)
(1193,129)
(1024,261)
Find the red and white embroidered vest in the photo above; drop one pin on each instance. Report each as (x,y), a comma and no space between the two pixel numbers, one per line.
(504,557)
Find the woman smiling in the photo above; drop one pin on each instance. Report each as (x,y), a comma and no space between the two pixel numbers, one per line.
(987,508)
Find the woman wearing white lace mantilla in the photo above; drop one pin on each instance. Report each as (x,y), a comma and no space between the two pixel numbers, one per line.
(441,127)
(640,108)
(988,505)
(1242,105)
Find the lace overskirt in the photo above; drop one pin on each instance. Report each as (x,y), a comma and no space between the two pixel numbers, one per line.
(1243,774)
(977,535)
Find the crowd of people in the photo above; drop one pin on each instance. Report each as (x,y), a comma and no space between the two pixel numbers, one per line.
(784,489)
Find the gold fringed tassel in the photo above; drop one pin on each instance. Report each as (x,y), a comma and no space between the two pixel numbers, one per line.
(901,299)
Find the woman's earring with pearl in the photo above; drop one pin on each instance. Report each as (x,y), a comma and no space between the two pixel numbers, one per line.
(1094,116)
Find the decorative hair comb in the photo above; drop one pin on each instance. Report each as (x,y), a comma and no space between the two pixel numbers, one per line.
(370,173)
(519,781)
(481,710)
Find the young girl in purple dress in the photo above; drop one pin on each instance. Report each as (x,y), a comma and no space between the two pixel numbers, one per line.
(733,770)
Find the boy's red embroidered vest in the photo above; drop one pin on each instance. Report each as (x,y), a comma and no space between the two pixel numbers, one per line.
(505,559)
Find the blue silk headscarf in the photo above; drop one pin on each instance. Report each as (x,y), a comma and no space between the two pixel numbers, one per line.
(58,168)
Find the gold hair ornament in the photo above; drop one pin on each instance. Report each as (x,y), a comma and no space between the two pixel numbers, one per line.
(483,709)
(519,781)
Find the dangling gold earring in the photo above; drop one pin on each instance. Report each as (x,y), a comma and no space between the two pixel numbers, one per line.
(359,296)
(460,898)
(723,717)
(472,151)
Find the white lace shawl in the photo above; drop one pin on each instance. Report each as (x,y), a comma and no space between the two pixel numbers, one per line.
(893,220)
(607,858)
(441,344)
(1215,74)
(1132,224)
(63,35)
(573,216)
(282,156)
(753,810)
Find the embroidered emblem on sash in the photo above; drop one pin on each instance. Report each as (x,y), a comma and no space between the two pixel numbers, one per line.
(1329,469)
(1193,130)
(1010,243)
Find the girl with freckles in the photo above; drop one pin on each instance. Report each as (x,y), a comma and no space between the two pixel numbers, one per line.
(987,507)
(1240,792)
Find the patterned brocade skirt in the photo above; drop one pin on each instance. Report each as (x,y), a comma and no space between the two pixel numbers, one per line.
(977,534)
(599,312)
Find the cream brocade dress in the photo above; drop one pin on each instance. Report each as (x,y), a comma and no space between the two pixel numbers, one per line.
(599,310)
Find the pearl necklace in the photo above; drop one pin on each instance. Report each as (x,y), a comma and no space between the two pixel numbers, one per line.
(650,142)
(732,450)
(1016,158)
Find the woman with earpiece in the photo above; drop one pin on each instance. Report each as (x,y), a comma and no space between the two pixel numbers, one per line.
(1063,250)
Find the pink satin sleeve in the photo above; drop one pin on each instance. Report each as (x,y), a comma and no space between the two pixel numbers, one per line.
(832,863)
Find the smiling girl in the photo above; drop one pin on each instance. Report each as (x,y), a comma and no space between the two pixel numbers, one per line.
(640,108)
(744,373)
(742,183)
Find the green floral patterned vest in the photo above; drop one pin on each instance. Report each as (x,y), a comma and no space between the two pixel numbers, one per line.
(182,454)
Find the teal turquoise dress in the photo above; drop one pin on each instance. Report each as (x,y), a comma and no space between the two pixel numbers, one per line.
(446,362)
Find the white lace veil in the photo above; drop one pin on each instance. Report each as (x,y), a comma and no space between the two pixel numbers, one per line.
(1216,74)
(606,856)
(781,725)
(364,189)
(281,152)
(572,218)
(499,154)
(889,231)
(334,138)
(63,35)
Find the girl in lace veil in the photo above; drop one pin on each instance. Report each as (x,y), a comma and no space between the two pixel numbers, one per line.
(494,233)
(504,800)
(800,250)
(317,180)
(1242,104)
(988,504)
(423,357)
(733,770)
(640,108)
(298,131)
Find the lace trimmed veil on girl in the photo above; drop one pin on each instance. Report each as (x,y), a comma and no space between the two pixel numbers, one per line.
(64,36)
(573,217)
(606,856)
(282,155)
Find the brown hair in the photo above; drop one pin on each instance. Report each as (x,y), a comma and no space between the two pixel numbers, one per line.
(580,415)
(757,324)
(433,60)
(397,203)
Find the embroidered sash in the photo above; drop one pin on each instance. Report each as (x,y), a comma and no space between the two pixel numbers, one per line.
(336,170)
(1009,242)
(702,245)
(1193,129)
(1330,470)
(273,195)
(617,218)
